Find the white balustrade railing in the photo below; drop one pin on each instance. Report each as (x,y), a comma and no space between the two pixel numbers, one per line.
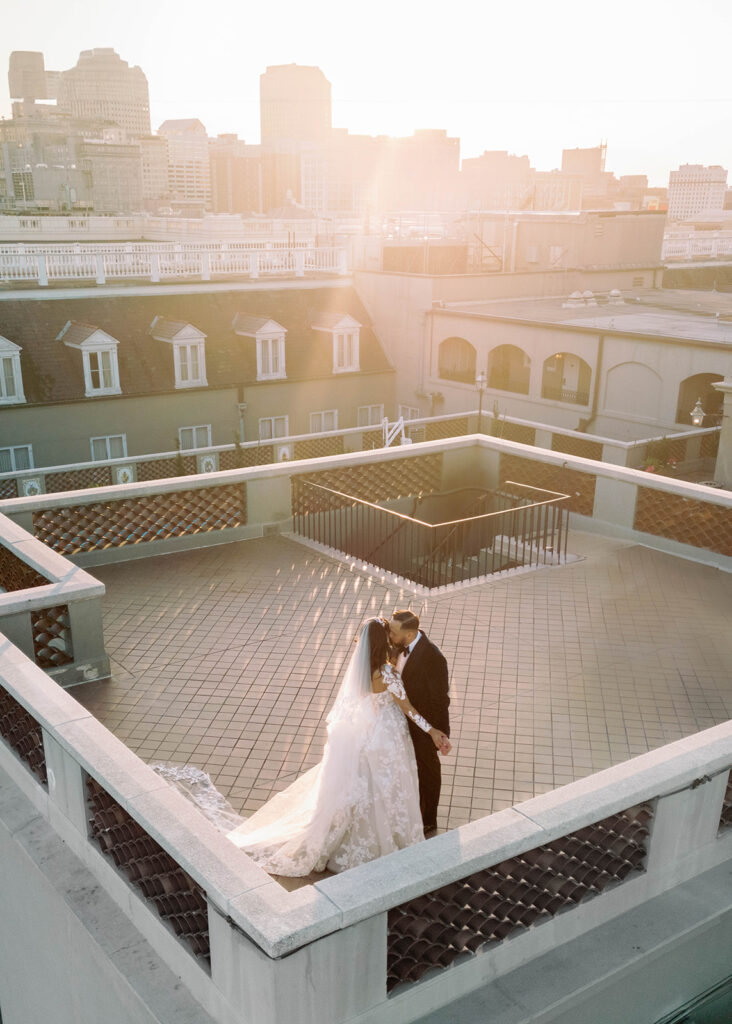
(155,261)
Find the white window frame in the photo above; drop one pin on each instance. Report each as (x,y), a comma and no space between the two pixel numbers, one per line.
(317,421)
(409,412)
(107,439)
(271,357)
(10,360)
(193,447)
(99,351)
(182,358)
(268,427)
(366,417)
(11,450)
(346,351)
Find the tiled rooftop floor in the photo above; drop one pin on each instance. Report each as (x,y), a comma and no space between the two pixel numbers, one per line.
(228,658)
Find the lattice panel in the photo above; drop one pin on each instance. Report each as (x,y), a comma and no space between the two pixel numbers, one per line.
(677,450)
(23,733)
(52,645)
(318,447)
(469,916)
(372,439)
(8,489)
(517,432)
(161,469)
(579,486)
(262,455)
(16,575)
(725,818)
(397,479)
(447,428)
(77,479)
(699,523)
(579,446)
(178,899)
(709,446)
(135,520)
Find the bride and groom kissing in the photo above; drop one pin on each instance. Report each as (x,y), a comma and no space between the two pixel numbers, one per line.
(377,786)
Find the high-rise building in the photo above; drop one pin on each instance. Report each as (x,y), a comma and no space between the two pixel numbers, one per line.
(189,165)
(294,103)
(27,75)
(236,176)
(496,180)
(103,87)
(115,171)
(155,186)
(695,189)
(589,163)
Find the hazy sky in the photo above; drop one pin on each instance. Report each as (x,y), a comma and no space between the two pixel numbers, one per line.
(530,76)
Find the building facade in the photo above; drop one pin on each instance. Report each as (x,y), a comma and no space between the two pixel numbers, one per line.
(694,189)
(103,87)
(189,166)
(295,103)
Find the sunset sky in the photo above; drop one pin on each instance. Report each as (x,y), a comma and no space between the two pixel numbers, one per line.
(651,78)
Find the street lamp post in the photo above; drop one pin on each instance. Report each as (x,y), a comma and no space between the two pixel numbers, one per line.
(697,414)
(480,382)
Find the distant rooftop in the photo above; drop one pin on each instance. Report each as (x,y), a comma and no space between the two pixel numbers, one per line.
(683,315)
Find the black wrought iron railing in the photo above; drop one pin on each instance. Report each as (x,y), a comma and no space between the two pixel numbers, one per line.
(526,526)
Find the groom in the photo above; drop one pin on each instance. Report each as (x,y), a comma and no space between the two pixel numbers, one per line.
(424,673)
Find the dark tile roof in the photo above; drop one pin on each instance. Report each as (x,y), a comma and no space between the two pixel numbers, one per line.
(53,372)
(76,333)
(246,324)
(328,321)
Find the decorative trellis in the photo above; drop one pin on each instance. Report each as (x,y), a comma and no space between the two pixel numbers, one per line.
(161,469)
(582,447)
(100,525)
(77,479)
(163,883)
(8,489)
(439,429)
(16,575)
(259,455)
(390,479)
(469,916)
(52,646)
(318,447)
(725,818)
(579,486)
(23,733)
(517,432)
(699,523)
(709,445)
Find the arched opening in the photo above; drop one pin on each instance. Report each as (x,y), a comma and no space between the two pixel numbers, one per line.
(699,387)
(456,360)
(508,369)
(566,378)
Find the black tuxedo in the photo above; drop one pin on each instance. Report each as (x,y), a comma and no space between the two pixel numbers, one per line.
(426,683)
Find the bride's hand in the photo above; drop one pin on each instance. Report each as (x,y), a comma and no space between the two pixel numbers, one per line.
(439,739)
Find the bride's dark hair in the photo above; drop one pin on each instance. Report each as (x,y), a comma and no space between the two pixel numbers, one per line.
(378,643)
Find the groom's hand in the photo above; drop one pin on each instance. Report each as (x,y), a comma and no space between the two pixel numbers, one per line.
(445,748)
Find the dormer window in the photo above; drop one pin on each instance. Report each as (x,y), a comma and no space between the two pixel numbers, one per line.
(345,332)
(270,341)
(189,350)
(99,354)
(11,382)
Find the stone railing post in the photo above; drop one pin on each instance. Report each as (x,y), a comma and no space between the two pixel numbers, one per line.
(42,270)
(254,264)
(205,266)
(100,269)
(154,266)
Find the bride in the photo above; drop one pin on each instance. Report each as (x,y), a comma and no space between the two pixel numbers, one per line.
(361,801)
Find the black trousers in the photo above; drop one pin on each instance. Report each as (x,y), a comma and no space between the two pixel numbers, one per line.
(429,774)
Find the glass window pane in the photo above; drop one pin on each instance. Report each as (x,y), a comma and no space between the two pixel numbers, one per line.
(117,446)
(99,448)
(6,461)
(23,457)
(186,437)
(7,384)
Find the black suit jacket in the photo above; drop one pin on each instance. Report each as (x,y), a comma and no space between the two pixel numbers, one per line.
(425,679)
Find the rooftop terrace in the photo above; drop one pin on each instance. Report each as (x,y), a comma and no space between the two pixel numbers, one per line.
(228,658)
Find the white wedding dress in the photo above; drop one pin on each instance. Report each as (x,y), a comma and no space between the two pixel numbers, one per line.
(361,801)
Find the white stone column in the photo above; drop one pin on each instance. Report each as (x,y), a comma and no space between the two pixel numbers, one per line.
(100,269)
(42,270)
(723,468)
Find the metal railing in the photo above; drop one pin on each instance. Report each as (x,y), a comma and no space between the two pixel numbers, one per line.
(527,526)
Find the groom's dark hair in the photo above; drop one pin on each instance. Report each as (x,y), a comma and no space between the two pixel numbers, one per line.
(407,619)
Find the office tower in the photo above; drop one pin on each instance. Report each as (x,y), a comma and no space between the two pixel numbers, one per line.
(694,189)
(103,87)
(27,75)
(189,165)
(294,103)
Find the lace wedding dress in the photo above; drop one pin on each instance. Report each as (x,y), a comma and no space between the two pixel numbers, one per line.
(361,801)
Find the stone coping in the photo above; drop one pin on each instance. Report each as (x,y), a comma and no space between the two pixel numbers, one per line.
(66,581)
(349,432)
(119,492)
(279,921)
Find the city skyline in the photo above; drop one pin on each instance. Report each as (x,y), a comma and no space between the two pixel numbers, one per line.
(531,83)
